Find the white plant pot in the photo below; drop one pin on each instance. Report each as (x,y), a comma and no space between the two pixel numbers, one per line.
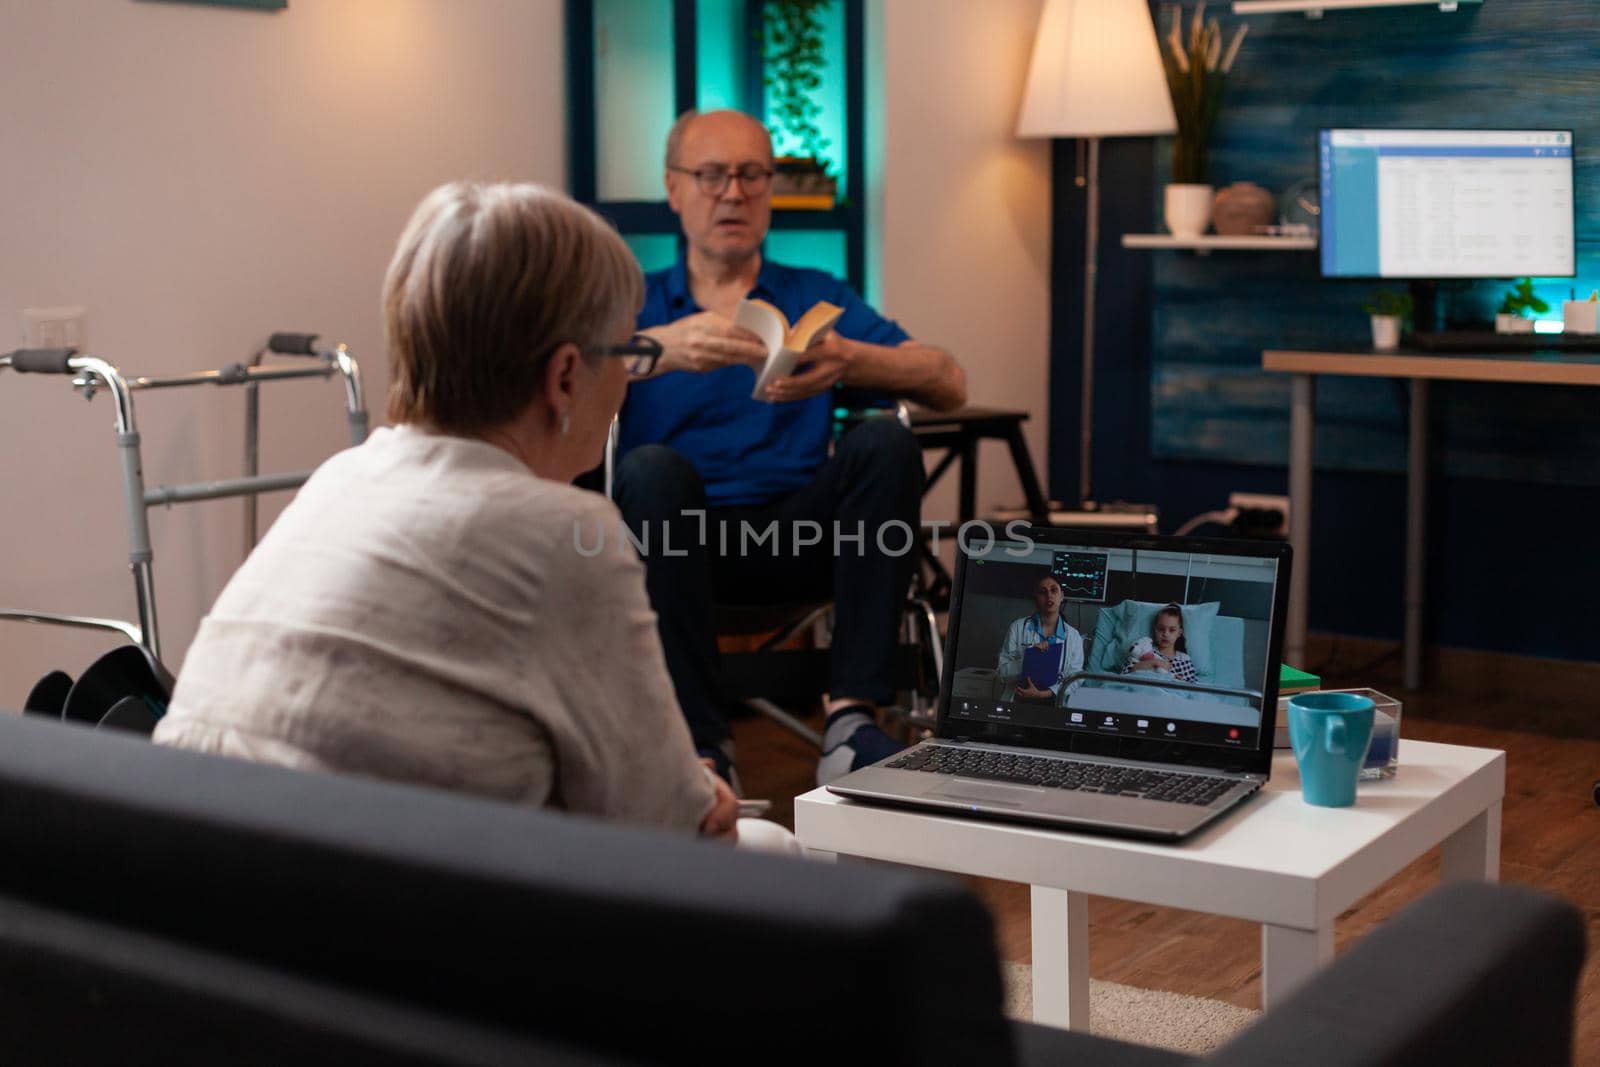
(1385,331)
(1512,324)
(1580,316)
(1188,209)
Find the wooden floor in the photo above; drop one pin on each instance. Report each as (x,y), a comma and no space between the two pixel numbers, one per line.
(1545,715)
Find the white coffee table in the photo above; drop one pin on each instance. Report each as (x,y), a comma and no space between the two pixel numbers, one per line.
(1277,861)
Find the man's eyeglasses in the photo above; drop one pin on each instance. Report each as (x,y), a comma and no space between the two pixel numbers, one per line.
(640,350)
(713,180)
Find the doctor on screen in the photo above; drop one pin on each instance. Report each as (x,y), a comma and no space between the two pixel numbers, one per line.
(1039,650)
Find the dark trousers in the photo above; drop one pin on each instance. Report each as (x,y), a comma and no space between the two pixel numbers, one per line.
(758,555)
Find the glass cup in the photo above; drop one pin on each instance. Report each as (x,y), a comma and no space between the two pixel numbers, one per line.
(1383,755)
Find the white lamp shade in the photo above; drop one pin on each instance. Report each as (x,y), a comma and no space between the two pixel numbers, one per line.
(1096,72)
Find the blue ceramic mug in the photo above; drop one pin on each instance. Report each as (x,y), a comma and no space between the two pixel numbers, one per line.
(1330,733)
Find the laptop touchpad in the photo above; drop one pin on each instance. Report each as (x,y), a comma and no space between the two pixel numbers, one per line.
(988,792)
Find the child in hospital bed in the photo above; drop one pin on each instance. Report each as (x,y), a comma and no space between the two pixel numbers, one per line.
(1164,650)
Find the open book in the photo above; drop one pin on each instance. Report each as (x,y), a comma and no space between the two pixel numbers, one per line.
(786,345)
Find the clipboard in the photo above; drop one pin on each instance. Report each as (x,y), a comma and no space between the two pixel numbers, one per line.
(1042,667)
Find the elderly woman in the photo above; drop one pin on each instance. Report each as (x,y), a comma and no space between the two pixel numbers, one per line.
(422,612)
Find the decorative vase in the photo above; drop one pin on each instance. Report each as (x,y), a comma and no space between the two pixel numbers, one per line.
(1242,208)
(1385,331)
(1188,208)
(1512,324)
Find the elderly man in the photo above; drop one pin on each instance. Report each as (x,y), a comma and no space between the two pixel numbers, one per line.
(707,472)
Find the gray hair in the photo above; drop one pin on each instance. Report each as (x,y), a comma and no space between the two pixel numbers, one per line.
(675,135)
(487,281)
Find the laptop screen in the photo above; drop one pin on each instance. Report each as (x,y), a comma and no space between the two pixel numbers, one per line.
(1129,645)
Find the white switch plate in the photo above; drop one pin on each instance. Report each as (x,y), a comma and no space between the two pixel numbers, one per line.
(57,327)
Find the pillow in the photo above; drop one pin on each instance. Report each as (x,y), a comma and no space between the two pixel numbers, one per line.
(1198,622)
(1227,654)
(1106,654)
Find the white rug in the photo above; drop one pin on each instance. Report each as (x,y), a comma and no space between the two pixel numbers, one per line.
(1144,1016)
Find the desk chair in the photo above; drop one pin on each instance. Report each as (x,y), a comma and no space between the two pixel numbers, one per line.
(760,677)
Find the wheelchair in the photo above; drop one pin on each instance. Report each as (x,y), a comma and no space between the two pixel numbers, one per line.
(775,657)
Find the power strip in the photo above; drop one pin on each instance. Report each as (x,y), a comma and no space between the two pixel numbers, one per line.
(1259,507)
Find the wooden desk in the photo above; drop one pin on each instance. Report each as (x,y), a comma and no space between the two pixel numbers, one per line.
(1421,368)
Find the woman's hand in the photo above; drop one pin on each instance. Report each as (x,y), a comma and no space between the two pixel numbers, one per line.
(1042,646)
(722,821)
(706,342)
(1025,688)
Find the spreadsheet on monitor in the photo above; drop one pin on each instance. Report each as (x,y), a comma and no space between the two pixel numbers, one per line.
(1447,203)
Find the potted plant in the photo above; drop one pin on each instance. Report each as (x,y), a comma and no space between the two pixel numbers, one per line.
(791,33)
(1389,311)
(1196,73)
(1515,308)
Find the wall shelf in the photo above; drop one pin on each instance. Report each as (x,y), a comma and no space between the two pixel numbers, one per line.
(685,53)
(1314,8)
(1216,242)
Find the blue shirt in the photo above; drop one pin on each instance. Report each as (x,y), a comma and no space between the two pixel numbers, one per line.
(1033,631)
(747,451)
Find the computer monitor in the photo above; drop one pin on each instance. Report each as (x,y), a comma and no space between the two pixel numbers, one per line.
(1434,204)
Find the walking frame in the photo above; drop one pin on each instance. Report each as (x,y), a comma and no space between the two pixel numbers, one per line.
(91,374)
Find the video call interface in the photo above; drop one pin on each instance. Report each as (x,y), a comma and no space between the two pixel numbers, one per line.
(1122,642)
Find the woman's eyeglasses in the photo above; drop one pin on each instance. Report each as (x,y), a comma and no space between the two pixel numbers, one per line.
(640,350)
(713,180)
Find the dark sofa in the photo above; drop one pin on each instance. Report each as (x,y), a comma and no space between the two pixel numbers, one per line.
(163,907)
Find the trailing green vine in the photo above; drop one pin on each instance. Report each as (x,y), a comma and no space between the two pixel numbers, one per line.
(792,49)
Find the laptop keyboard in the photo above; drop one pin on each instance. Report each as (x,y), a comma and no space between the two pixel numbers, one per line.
(1079,775)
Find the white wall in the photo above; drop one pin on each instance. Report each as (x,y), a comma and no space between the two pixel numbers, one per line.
(965,211)
(197,177)
(200,176)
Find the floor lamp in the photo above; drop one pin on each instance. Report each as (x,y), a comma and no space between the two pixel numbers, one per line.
(1096,72)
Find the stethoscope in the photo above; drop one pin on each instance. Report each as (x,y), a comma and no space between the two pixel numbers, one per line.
(1059,637)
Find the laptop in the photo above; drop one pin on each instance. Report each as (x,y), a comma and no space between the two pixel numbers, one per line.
(1156,721)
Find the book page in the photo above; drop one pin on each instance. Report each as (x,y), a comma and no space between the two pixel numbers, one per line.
(785,346)
(763,320)
(813,325)
(769,324)
(779,365)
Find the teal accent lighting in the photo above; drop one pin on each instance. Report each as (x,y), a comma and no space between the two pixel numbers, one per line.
(633,72)
(654,251)
(819,249)
(830,97)
(720,50)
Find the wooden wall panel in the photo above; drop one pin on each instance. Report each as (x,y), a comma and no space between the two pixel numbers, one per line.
(1504,64)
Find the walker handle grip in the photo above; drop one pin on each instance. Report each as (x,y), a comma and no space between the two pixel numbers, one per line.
(42,360)
(293,344)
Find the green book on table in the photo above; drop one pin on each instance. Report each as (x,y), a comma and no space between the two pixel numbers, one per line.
(1291,680)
